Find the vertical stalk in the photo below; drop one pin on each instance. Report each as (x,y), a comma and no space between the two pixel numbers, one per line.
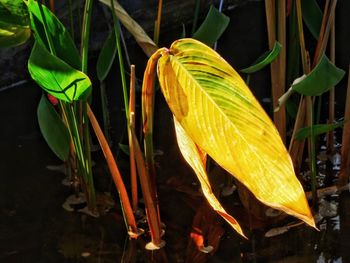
(331,101)
(86,35)
(131,124)
(117,178)
(280,116)
(312,148)
(147,174)
(121,62)
(158,22)
(81,108)
(345,149)
(277,66)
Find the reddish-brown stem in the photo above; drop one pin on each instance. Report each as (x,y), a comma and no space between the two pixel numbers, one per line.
(117,178)
(146,167)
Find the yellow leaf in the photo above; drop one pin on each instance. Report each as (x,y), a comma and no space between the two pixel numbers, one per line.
(220,114)
(196,159)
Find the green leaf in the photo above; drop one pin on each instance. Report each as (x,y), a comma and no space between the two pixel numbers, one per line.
(57,77)
(106,56)
(264,60)
(323,77)
(14,23)
(124,148)
(53,129)
(63,43)
(12,35)
(212,28)
(318,129)
(14,12)
(312,16)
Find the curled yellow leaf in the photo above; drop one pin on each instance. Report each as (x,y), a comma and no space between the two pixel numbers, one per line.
(220,114)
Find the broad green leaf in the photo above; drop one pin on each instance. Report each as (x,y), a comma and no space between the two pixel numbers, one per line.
(53,129)
(312,16)
(106,57)
(220,114)
(194,157)
(317,129)
(212,27)
(14,12)
(57,77)
(264,60)
(13,35)
(63,43)
(323,77)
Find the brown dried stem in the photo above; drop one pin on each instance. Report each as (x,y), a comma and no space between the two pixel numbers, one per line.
(278,66)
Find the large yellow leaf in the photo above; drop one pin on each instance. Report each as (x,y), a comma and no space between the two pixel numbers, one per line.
(220,114)
(196,159)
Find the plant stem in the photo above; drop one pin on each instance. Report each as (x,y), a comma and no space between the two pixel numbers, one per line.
(158,22)
(117,178)
(345,149)
(312,149)
(82,106)
(131,124)
(86,35)
(121,62)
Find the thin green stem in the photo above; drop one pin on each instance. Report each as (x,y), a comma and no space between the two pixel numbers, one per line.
(86,35)
(121,62)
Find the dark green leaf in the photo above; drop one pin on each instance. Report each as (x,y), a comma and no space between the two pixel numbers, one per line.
(12,35)
(318,129)
(212,28)
(312,16)
(63,43)
(57,77)
(14,12)
(124,148)
(291,108)
(53,129)
(106,57)
(264,60)
(323,77)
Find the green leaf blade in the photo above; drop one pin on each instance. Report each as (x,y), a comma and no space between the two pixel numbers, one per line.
(322,78)
(212,28)
(317,129)
(106,56)
(57,77)
(264,60)
(63,43)
(53,129)
(312,16)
